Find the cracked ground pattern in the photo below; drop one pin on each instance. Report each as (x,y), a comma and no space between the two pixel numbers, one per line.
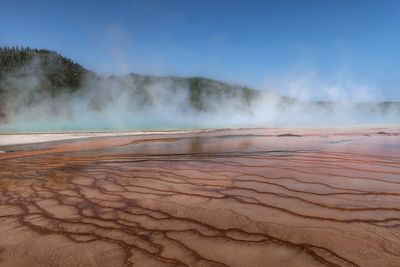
(218,198)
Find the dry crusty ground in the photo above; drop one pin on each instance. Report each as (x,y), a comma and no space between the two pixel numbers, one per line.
(254,197)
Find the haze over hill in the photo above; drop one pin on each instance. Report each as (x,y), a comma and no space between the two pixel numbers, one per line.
(41,90)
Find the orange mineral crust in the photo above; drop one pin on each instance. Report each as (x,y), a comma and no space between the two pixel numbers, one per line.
(250,197)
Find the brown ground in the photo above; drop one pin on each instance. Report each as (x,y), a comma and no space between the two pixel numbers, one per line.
(219,198)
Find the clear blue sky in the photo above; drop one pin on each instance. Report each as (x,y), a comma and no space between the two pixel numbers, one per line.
(238,41)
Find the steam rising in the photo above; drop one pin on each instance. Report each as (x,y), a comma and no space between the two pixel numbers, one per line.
(120,103)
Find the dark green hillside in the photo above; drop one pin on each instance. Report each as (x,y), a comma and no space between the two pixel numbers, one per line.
(58,74)
(54,70)
(34,73)
(30,77)
(201,91)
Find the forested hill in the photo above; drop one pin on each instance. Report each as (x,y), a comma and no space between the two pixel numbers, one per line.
(41,70)
(43,80)
(58,71)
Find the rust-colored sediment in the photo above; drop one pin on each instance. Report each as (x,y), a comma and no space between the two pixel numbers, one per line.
(223,198)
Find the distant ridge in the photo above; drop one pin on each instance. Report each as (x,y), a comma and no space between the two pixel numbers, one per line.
(39,74)
(58,70)
(59,75)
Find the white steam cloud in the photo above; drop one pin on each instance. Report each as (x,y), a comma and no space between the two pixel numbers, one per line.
(119,103)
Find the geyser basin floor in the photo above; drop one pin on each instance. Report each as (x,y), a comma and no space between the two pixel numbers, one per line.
(252,197)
